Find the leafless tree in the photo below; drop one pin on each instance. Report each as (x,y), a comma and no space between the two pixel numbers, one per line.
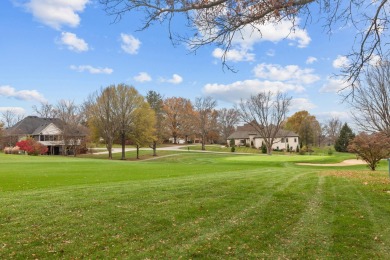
(332,129)
(265,112)
(321,135)
(371,102)
(45,110)
(11,117)
(206,121)
(112,112)
(70,115)
(221,21)
(227,120)
(128,100)
(101,116)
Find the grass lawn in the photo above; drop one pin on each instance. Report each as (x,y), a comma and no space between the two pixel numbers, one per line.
(244,149)
(192,205)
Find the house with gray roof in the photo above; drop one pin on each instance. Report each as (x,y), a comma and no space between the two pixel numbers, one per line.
(53,133)
(247,135)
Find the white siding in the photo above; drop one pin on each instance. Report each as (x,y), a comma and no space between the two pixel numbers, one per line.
(51,129)
(291,142)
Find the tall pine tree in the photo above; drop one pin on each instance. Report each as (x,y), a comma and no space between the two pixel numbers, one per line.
(346,135)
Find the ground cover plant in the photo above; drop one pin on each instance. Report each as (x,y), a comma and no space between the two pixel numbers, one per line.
(192,205)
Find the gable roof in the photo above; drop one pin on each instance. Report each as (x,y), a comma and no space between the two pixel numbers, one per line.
(243,132)
(33,125)
(44,128)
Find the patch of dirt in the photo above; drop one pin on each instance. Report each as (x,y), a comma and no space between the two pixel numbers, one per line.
(344,163)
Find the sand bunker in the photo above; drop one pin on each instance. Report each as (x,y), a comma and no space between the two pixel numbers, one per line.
(344,163)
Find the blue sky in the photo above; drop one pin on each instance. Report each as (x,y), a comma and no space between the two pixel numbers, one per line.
(53,50)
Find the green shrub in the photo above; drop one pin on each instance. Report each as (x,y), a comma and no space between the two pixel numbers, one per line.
(302,151)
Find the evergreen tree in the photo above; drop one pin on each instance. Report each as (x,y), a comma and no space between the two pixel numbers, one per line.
(263,147)
(346,135)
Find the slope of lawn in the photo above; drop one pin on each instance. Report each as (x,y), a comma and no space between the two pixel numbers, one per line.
(192,205)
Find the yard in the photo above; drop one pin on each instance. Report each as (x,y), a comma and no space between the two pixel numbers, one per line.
(192,205)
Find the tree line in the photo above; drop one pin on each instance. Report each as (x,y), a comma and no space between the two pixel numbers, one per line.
(118,113)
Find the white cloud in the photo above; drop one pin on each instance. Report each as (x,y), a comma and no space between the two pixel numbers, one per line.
(90,69)
(244,89)
(298,104)
(311,60)
(344,116)
(143,77)
(291,73)
(16,110)
(56,13)
(33,95)
(334,85)
(234,55)
(176,79)
(340,62)
(272,31)
(130,44)
(73,42)
(242,43)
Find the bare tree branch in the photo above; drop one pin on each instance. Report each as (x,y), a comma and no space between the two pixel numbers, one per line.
(204,108)
(220,21)
(371,102)
(265,112)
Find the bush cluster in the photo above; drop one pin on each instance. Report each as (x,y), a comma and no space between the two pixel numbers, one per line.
(32,147)
(12,150)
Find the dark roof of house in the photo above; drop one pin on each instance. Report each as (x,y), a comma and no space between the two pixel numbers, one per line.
(33,125)
(243,132)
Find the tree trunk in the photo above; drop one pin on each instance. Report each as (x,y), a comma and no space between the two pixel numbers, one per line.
(269,149)
(154,148)
(109,148)
(137,151)
(123,142)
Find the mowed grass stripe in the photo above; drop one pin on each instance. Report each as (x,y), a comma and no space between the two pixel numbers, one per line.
(353,221)
(218,229)
(309,237)
(142,214)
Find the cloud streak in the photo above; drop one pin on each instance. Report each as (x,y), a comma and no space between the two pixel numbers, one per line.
(27,95)
(244,89)
(90,69)
(290,73)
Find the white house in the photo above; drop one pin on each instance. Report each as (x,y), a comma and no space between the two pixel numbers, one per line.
(246,135)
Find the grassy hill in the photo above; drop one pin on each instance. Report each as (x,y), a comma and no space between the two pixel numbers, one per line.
(192,205)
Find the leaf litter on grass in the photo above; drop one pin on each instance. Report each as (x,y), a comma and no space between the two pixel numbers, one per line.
(375,180)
